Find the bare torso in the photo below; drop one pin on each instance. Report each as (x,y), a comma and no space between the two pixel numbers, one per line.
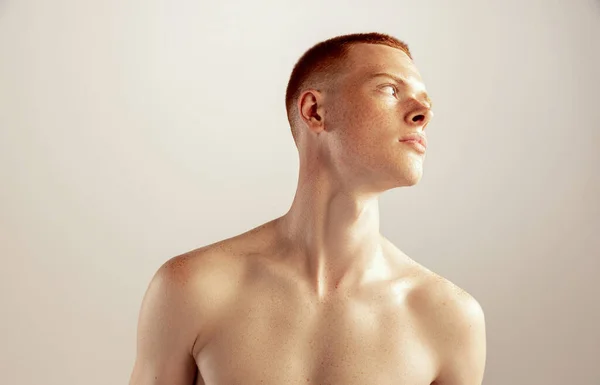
(260,322)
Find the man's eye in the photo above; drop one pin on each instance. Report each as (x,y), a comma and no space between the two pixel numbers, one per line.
(391,87)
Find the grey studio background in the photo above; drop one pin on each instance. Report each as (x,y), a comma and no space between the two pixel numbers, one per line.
(134,131)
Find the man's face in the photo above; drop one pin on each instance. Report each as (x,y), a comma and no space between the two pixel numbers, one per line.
(367,114)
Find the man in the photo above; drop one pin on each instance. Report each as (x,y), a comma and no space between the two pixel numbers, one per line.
(318,295)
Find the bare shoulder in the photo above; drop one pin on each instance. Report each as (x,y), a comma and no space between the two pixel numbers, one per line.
(443,300)
(433,295)
(212,265)
(196,287)
(455,323)
(216,268)
(180,307)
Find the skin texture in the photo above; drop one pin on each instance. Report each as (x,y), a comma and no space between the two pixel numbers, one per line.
(318,295)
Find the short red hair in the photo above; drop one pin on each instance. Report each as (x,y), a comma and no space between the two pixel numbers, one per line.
(323,59)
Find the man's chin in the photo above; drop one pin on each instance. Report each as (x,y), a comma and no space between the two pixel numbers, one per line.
(410,177)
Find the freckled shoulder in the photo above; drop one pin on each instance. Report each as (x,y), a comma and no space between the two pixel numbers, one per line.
(441,301)
(205,266)
(209,279)
(432,293)
(452,319)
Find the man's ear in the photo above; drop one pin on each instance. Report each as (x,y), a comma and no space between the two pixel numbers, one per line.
(312,113)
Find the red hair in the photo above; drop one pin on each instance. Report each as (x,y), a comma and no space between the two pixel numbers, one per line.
(324,58)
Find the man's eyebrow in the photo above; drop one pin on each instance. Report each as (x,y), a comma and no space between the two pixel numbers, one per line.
(400,81)
(388,75)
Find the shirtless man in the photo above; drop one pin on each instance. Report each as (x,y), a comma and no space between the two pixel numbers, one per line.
(318,296)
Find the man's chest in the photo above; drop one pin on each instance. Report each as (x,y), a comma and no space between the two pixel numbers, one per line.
(281,339)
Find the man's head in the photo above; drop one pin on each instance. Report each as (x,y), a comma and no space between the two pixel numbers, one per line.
(351,99)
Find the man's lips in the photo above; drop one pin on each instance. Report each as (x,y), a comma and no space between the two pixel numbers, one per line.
(419,138)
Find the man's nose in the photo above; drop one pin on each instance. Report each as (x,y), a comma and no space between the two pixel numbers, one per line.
(419,114)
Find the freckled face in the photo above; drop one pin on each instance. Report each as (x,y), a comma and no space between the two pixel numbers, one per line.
(368,112)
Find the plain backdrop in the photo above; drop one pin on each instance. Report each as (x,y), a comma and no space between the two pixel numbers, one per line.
(133,131)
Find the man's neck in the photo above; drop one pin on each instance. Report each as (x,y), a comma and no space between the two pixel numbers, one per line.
(335,233)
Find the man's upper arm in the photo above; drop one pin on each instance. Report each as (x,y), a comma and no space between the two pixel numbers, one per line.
(166,332)
(464,346)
